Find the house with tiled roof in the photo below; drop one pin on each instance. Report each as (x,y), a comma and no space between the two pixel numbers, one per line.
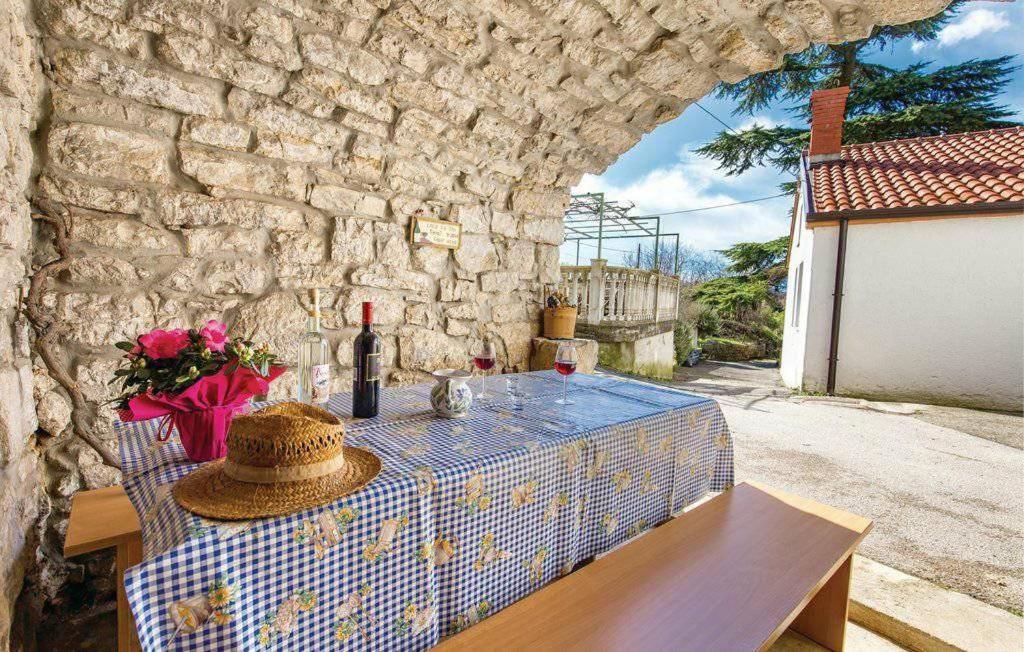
(906,266)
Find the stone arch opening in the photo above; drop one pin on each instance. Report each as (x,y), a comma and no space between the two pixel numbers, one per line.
(216,158)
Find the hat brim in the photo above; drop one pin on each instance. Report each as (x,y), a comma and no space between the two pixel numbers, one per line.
(209,492)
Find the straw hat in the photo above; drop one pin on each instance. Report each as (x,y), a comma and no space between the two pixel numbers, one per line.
(281,459)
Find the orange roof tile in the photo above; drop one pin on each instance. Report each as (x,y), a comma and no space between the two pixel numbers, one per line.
(980,166)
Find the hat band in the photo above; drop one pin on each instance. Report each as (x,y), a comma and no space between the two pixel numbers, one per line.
(273,474)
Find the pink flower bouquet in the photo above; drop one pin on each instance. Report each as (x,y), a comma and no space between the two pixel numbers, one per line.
(196,380)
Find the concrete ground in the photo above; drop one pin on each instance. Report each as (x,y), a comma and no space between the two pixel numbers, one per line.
(943,485)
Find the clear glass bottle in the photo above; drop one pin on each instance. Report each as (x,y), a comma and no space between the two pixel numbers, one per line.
(314,370)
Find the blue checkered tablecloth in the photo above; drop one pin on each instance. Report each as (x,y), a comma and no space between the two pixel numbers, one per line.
(466,517)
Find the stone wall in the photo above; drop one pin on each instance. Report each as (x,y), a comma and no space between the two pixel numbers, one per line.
(216,158)
(19,484)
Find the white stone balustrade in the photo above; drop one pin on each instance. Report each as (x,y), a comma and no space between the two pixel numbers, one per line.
(620,295)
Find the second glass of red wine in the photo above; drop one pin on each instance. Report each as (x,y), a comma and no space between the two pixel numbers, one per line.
(484,360)
(565,363)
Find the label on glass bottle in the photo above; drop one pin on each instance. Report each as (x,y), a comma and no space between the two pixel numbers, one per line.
(320,383)
(372,367)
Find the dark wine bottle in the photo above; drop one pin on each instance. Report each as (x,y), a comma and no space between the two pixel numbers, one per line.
(366,368)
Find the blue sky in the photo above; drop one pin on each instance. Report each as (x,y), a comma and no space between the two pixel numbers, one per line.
(661,173)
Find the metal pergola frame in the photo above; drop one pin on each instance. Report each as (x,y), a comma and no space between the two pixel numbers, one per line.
(591,217)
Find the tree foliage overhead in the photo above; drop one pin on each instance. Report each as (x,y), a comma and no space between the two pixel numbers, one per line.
(884,103)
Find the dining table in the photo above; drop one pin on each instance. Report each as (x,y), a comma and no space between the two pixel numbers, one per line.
(467,516)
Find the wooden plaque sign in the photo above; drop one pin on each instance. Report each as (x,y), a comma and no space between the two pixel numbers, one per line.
(426,231)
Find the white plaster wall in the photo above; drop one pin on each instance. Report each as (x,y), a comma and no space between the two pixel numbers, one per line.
(933,312)
(657,350)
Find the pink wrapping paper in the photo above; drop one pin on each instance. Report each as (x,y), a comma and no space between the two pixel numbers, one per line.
(203,412)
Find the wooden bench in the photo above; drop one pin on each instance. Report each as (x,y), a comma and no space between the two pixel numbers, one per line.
(732,574)
(105,518)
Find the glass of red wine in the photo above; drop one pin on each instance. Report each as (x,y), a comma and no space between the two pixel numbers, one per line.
(566,358)
(484,360)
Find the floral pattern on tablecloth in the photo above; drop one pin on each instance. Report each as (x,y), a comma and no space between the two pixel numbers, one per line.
(466,517)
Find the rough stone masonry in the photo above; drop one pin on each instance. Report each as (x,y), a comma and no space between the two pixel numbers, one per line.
(192,159)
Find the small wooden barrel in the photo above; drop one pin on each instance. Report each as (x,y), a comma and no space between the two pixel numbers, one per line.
(560,323)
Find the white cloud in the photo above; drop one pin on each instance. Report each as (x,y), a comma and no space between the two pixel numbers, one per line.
(973,24)
(695,182)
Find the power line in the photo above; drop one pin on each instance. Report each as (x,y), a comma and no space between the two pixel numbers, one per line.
(720,121)
(708,208)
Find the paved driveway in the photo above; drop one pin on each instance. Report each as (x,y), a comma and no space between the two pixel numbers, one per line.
(944,486)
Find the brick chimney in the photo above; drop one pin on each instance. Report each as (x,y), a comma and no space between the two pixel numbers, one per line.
(828,110)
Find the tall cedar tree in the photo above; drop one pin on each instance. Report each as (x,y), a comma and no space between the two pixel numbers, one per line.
(884,103)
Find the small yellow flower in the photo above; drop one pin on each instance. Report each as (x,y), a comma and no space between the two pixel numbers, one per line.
(346,513)
(410,612)
(221,596)
(485,502)
(488,539)
(221,617)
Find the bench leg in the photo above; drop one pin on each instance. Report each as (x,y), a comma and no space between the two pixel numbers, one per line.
(823,620)
(129,553)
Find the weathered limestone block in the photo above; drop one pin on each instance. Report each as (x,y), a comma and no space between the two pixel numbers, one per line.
(428,350)
(433,99)
(544,349)
(388,307)
(378,275)
(272,116)
(337,199)
(421,314)
(135,82)
(477,254)
(352,242)
(275,53)
(276,319)
(71,19)
(289,148)
(263,21)
(53,412)
(90,195)
(391,244)
(193,209)
(202,241)
(102,270)
(74,106)
(515,336)
(106,152)
(546,231)
(193,16)
(519,258)
(514,311)
(235,277)
(432,260)
(102,319)
(335,88)
(463,310)
(217,133)
(498,281)
(548,264)
(458,290)
(474,218)
(301,276)
(207,58)
(505,224)
(126,234)
(299,247)
(324,51)
(534,202)
(215,168)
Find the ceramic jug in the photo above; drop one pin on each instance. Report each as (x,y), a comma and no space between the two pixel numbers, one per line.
(451,396)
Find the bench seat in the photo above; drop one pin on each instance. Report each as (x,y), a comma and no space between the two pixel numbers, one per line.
(732,574)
